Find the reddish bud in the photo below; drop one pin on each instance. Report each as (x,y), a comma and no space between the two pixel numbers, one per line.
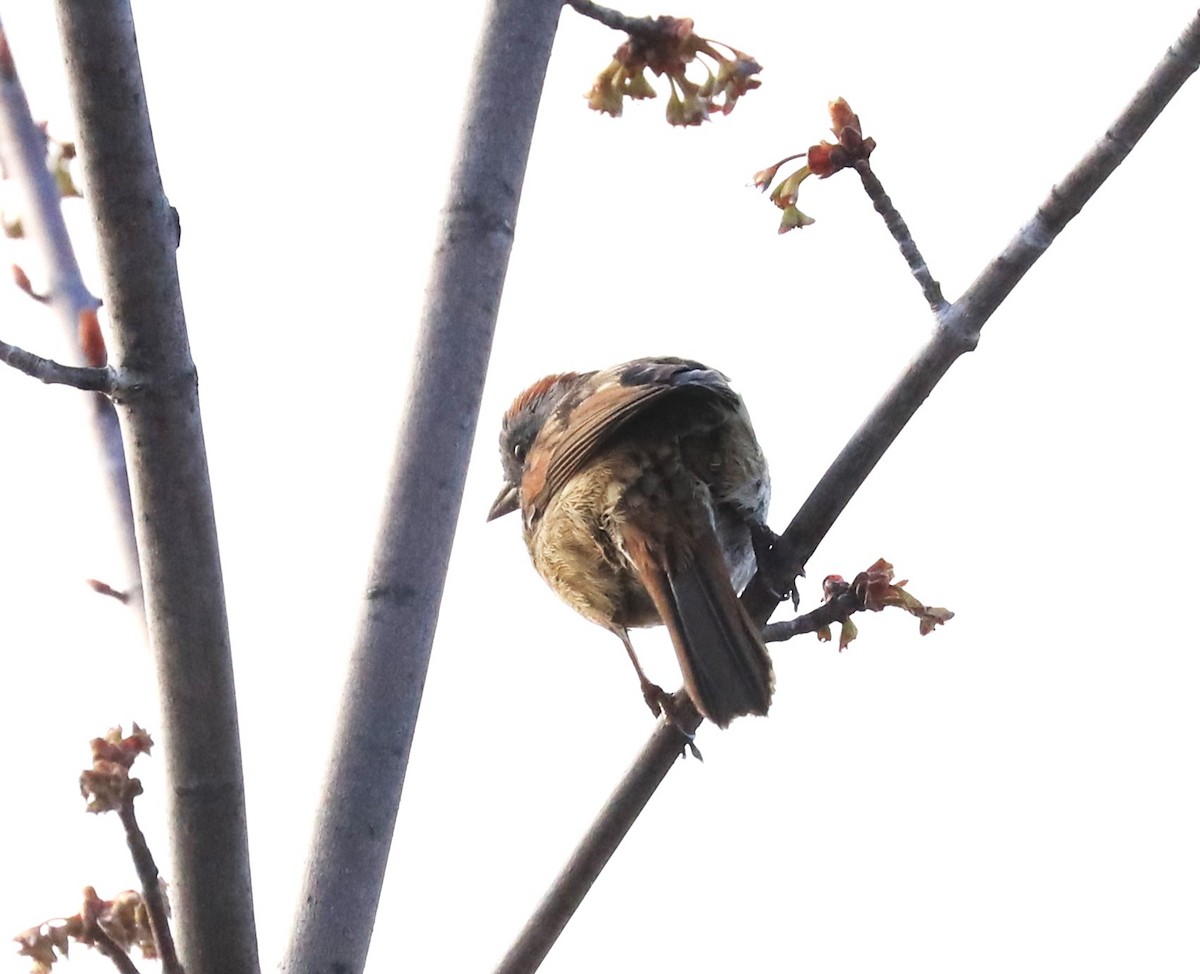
(91,341)
(843,117)
(21,279)
(103,588)
(824,159)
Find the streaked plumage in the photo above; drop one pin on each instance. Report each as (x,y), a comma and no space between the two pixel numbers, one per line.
(641,489)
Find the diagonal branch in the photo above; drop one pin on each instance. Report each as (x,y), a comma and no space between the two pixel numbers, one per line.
(903,237)
(957,332)
(959,326)
(23,150)
(157,910)
(112,950)
(172,501)
(362,791)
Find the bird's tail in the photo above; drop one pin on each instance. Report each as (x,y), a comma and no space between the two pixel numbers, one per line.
(725,665)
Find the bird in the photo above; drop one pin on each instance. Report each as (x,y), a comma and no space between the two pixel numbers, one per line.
(643,494)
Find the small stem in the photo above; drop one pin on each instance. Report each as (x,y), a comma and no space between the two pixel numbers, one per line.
(102,380)
(902,235)
(64,293)
(613,18)
(112,950)
(837,609)
(152,894)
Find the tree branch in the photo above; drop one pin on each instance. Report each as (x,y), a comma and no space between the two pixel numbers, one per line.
(23,150)
(172,500)
(903,237)
(102,380)
(839,608)
(957,332)
(111,949)
(357,816)
(959,326)
(612,18)
(152,891)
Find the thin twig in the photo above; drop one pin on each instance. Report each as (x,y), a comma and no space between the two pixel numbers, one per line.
(613,18)
(902,235)
(66,296)
(101,380)
(152,892)
(111,949)
(956,334)
(839,608)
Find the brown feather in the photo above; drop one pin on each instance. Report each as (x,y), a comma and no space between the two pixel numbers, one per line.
(570,438)
(641,487)
(725,665)
(578,427)
(537,390)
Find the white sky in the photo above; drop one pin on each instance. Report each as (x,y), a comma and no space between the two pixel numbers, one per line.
(1017,791)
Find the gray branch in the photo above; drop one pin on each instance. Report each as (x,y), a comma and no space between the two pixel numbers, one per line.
(172,501)
(903,237)
(957,332)
(362,791)
(23,150)
(960,324)
(102,380)
(612,18)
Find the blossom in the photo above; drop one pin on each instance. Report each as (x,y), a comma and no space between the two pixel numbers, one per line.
(667,47)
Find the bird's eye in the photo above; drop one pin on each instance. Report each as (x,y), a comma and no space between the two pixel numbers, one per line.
(518,452)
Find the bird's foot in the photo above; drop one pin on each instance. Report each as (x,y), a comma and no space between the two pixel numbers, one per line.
(773,554)
(657,699)
(662,704)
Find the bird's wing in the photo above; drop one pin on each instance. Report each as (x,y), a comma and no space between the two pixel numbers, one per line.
(581,424)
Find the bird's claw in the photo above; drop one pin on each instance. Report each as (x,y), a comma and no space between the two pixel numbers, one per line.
(657,699)
(772,554)
(662,704)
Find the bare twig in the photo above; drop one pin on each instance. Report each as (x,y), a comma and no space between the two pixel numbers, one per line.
(957,333)
(152,892)
(378,715)
(101,380)
(837,609)
(103,588)
(172,500)
(23,150)
(108,787)
(613,18)
(902,235)
(111,949)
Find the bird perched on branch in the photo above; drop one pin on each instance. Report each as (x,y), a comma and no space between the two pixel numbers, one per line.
(644,493)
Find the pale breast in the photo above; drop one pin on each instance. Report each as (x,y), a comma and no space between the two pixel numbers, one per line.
(573,548)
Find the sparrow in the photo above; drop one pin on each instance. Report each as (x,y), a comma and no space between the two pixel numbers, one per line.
(643,493)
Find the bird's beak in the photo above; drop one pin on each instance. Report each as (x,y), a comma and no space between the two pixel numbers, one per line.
(507,501)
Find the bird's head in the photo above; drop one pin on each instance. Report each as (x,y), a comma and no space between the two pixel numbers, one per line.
(522,423)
